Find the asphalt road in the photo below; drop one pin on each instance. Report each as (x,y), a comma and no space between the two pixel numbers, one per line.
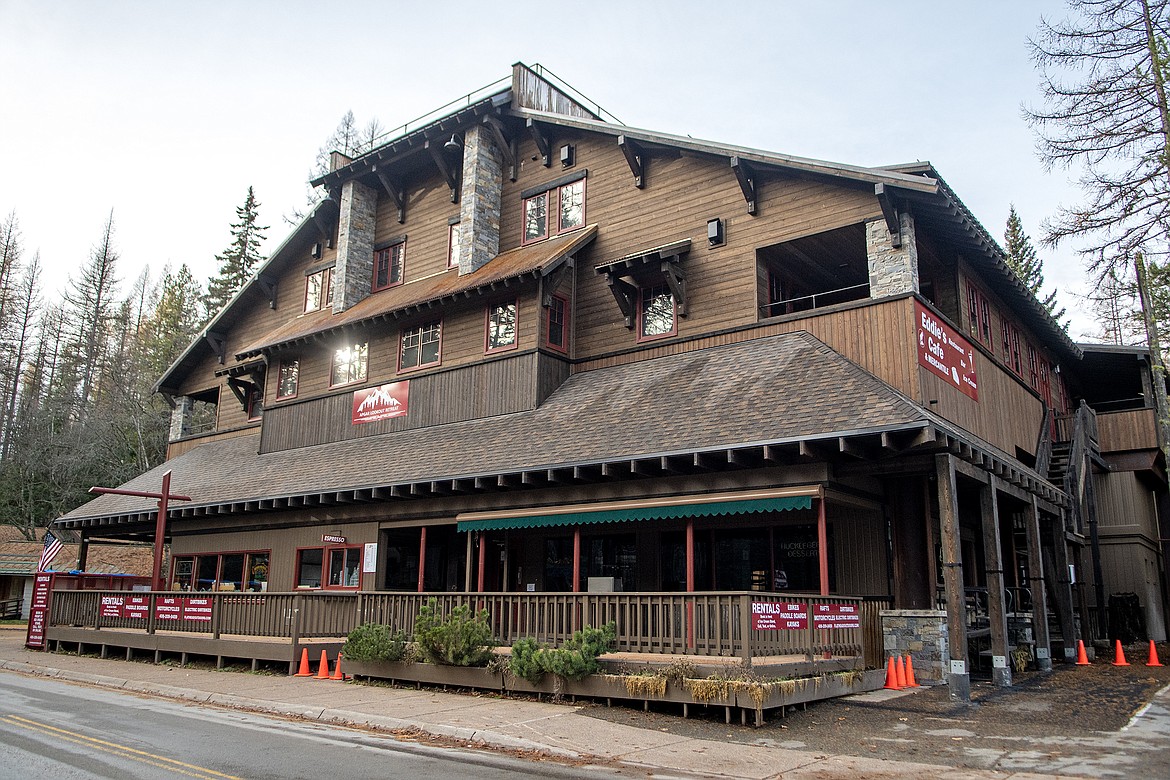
(53,730)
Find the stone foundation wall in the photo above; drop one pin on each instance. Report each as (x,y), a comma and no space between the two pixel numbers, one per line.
(923,635)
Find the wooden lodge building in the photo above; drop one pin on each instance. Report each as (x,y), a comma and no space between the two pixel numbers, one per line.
(520,349)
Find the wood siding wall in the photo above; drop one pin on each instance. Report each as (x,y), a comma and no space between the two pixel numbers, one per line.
(1131,430)
(859,539)
(480,390)
(1125,505)
(179,446)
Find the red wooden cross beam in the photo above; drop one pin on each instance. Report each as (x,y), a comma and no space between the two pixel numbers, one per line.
(160,526)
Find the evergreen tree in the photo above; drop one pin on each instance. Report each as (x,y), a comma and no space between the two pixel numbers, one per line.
(238,260)
(1022,257)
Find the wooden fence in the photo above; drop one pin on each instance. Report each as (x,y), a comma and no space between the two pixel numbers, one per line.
(702,624)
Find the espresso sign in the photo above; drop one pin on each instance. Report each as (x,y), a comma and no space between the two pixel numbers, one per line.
(943,352)
(380,403)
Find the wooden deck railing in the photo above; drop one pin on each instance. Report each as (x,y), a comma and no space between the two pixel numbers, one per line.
(703,624)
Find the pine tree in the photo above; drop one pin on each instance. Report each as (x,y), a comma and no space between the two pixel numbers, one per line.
(238,260)
(1022,257)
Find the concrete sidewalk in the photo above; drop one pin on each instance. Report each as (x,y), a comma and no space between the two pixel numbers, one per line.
(559,730)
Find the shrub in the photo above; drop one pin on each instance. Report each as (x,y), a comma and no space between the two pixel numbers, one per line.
(374,642)
(573,660)
(459,640)
(525,660)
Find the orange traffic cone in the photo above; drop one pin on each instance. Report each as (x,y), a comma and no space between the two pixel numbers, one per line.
(1082,659)
(900,668)
(1153,656)
(892,676)
(304,670)
(910,681)
(1119,654)
(337,675)
(323,669)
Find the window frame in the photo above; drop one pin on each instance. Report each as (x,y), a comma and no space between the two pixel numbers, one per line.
(254,403)
(365,347)
(454,245)
(326,294)
(643,291)
(249,556)
(298,558)
(420,328)
(295,366)
(395,254)
(488,349)
(327,566)
(553,213)
(524,237)
(564,325)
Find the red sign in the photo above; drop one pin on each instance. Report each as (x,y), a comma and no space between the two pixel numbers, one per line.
(943,352)
(197,609)
(380,403)
(168,608)
(778,616)
(112,606)
(827,616)
(136,607)
(38,610)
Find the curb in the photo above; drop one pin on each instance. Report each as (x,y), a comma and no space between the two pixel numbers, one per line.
(322,715)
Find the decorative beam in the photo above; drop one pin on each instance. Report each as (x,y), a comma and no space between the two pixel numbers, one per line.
(635,157)
(890,212)
(747,182)
(396,193)
(626,295)
(507,148)
(542,142)
(676,280)
(447,171)
(218,344)
(550,283)
(268,286)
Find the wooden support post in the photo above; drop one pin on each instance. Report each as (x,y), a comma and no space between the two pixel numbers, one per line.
(1039,593)
(1001,670)
(467,565)
(690,583)
(482,561)
(82,552)
(577,559)
(823,544)
(952,560)
(1058,575)
(422,556)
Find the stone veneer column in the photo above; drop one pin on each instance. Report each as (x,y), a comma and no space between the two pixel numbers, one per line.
(355,245)
(891,270)
(181,418)
(480,199)
(922,634)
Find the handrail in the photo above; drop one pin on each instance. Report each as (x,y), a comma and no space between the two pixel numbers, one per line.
(813,298)
(1044,444)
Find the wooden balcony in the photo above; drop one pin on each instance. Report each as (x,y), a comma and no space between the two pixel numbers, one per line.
(1134,429)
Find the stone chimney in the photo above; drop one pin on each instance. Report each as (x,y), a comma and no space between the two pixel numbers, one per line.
(480,199)
(891,270)
(354,270)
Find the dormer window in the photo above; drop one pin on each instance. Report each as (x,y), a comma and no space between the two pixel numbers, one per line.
(656,313)
(319,289)
(349,365)
(554,208)
(389,263)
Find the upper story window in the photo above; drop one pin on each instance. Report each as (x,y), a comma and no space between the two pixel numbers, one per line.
(254,403)
(319,289)
(979,316)
(389,263)
(453,245)
(1011,348)
(287,378)
(349,364)
(558,207)
(655,312)
(501,327)
(421,346)
(556,334)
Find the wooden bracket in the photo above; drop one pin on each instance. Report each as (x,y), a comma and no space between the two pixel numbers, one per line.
(550,283)
(217,343)
(891,213)
(676,280)
(324,228)
(626,295)
(747,182)
(542,142)
(447,170)
(268,285)
(507,148)
(636,158)
(396,193)
(240,390)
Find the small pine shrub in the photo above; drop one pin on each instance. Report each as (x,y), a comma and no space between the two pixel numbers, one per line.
(574,660)
(461,639)
(525,660)
(374,642)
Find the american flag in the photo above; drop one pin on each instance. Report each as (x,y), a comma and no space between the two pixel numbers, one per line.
(52,547)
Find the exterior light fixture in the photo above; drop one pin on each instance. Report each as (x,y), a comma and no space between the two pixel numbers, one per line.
(715,232)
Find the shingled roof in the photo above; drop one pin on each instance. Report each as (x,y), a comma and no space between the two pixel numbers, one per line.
(784,388)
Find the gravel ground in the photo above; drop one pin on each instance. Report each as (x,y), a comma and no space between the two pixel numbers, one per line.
(1046,715)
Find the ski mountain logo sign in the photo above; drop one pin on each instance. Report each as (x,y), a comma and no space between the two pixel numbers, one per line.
(380,403)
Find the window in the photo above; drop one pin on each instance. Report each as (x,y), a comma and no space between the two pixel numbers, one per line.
(979,316)
(329,567)
(319,290)
(557,209)
(286,385)
(1033,367)
(655,312)
(420,346)
(453,245)
(345,567)
(254,402)
(349,365)
(388,266)
(556,333)
(501,327)
(221,571)
(309,567)
(1011,348)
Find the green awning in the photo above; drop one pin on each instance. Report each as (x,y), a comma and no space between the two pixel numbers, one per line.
(640,513)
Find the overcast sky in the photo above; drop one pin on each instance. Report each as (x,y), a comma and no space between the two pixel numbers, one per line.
(167,112)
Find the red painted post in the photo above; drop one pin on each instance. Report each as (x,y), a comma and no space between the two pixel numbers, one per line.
(482,560)
(823,543)
(422,556)
(160,525)
(577,559)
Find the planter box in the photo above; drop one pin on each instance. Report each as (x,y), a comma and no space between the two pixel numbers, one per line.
(428,674)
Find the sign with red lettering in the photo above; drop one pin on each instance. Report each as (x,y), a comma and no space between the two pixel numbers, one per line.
(779,616)
(38,611)
(943,352)
(826,616)
(112,606)
(380,403)
(197,609)
(136,607)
